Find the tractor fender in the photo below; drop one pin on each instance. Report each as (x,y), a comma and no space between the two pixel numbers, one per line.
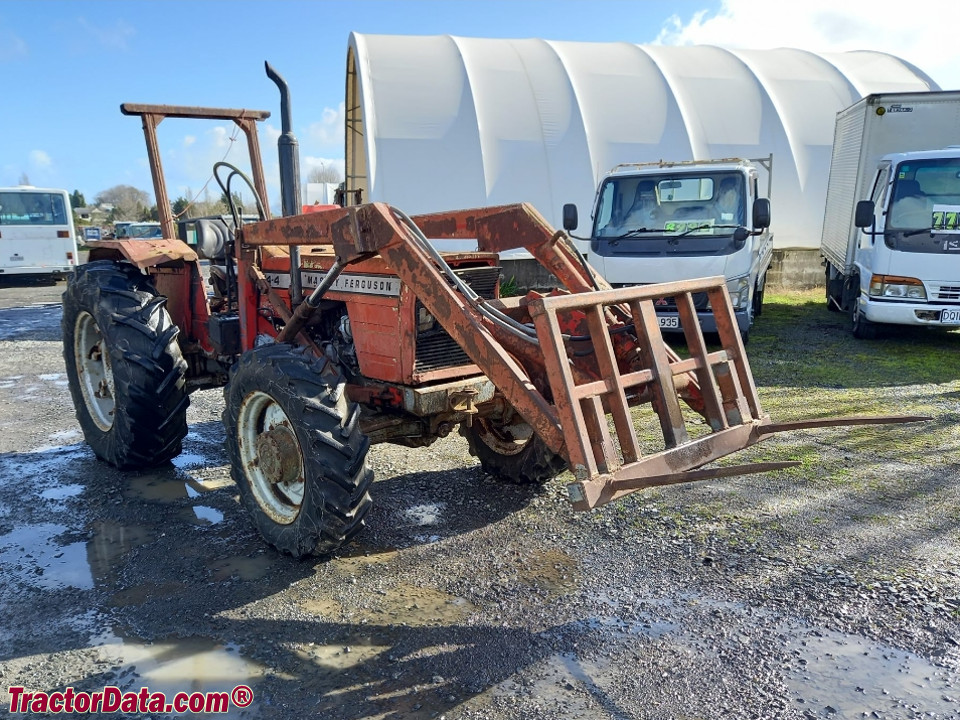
(142,253)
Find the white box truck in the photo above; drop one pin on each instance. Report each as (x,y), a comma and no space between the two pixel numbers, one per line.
(665,221)
(891,240)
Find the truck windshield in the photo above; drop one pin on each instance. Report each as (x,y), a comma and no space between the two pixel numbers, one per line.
(669,214)
(924,213)
(708,204)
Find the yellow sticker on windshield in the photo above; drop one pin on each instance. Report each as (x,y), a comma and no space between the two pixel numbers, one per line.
(945,219)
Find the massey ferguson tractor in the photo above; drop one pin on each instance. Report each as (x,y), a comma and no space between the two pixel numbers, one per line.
(333,330)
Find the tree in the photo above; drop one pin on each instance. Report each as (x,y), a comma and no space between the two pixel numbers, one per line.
(24,179)
(179,206)
(324,174)
(77,200)
(128,202)
(237,201)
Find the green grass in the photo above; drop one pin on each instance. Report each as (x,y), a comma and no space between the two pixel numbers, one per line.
(797,341)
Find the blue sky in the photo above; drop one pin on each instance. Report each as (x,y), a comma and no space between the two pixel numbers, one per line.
(67,66)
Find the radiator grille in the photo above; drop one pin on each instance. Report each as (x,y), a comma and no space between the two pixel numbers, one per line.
(435,348)
(668,304)
(948,292)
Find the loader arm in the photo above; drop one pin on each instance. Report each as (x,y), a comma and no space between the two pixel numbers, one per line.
(584,355)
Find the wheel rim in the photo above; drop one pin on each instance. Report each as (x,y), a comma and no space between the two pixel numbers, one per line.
(94,371)
(271,457)
(504,439)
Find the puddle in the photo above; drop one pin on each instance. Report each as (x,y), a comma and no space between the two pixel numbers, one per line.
(552,570)
(62,492)
(154,487)
(202,515)
(44,461)
(858,677)
(178,664)
(184,461)
(160,487)
(242,568)
(424,514)
(111,541)
(32,554)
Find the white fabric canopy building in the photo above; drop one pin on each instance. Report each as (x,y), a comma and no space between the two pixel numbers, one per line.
(441,122)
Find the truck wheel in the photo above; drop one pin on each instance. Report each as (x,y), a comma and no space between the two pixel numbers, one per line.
(296,450)
(512,453)
(124,367)
(863,329)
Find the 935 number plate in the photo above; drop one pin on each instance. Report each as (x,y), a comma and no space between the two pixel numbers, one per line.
(668,322)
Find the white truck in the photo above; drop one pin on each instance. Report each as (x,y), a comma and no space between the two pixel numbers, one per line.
(891,238)
(665,221)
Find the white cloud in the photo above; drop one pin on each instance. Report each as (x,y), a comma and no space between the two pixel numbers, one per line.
(39,160)
(913,31)
(189,140)
(112,37)
(330,129)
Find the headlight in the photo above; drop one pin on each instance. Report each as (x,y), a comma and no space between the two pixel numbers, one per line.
(894,286)
(739,290)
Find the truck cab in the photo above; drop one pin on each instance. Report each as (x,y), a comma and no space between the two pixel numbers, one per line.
(659,222)
(907,258)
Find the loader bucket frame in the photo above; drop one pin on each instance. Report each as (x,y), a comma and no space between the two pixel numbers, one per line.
(565,399)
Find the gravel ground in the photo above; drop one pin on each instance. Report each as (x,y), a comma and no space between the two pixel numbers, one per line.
(827,590)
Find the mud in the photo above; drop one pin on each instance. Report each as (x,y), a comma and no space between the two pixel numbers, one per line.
(829,591)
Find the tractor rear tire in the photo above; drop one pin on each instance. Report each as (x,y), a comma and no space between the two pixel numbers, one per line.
(520,458)
(296,450)
(124,367)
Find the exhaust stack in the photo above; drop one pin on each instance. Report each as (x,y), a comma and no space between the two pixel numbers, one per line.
(289,150)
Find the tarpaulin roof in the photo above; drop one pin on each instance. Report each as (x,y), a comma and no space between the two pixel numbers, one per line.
(443,122)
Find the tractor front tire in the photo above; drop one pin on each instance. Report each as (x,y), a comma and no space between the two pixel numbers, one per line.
(124,367)
(296,450)
(512,453)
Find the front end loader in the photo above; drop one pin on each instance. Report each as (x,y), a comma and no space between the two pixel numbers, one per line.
(336,329)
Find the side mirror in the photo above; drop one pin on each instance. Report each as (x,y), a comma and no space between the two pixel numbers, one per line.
(864,215)
(740,236)
(570,220)
(761,213)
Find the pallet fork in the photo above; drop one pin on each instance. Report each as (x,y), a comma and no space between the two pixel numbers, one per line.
(574,364)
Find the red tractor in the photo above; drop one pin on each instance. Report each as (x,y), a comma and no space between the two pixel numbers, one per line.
(344,327)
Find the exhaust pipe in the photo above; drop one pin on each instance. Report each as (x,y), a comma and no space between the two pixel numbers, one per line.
(289,150)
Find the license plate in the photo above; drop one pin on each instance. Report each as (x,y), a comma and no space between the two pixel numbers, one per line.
(671,322)
(947,317)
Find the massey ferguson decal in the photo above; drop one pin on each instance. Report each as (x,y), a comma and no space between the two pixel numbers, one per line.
(368,284)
